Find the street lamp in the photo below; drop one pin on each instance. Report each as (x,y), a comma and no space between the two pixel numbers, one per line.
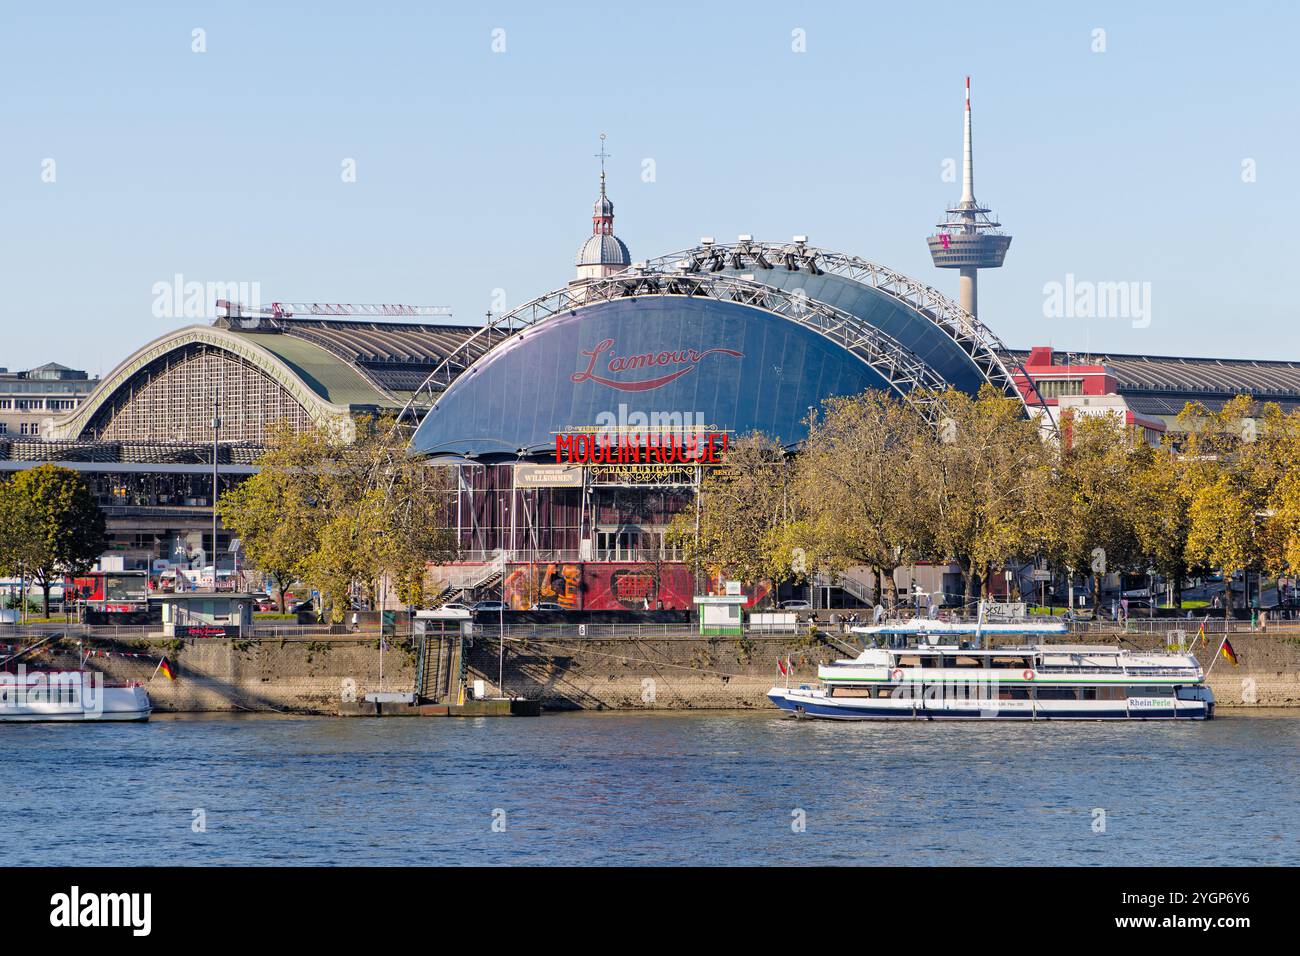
(235,545)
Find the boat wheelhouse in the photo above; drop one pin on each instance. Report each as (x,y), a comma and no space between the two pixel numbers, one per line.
(925,673)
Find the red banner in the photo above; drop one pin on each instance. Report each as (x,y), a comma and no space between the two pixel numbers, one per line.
(636,587)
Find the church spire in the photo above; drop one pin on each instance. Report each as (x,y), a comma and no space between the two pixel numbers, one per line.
(603,254)
(602,218)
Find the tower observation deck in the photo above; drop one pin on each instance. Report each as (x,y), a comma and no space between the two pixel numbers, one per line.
(969,239)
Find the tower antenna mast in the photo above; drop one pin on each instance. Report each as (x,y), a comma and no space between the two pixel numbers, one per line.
(969,238)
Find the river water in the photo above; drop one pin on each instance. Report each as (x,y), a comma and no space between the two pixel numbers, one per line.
(671,788)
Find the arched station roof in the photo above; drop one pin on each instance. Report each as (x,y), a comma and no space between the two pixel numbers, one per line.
(303,370)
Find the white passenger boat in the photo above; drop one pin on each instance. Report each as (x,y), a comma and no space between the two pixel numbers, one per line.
(927,671)
(76,695)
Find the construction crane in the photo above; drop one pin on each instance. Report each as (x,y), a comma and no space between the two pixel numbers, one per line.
(287,310)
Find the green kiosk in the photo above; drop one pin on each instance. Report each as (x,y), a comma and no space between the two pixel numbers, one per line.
(721,615)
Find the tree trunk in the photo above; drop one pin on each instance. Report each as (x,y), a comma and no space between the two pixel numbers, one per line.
(45,597)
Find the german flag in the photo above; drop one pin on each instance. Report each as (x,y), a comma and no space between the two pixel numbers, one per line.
(165,666)
(1227,651)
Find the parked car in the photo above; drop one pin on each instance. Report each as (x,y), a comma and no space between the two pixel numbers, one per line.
(795,606)
(546,606)
(490,607)
(455,606)
(266,605)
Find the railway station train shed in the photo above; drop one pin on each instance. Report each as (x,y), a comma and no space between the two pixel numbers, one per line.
(143,437)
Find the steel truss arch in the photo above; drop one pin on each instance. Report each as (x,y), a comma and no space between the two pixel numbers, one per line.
(993,359)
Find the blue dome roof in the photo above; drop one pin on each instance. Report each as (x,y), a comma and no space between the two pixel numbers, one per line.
(726,364)
(604,250)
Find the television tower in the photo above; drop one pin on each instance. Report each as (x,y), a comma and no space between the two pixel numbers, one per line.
(969,239)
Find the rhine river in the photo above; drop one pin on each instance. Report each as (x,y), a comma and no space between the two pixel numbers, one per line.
(658,789)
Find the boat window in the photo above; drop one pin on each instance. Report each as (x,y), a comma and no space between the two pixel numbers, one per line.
(850,692)
(1013,693)
(961,660)
(1058,693)
(1151,692)
(1017,662)
(909,660)
(1103,693)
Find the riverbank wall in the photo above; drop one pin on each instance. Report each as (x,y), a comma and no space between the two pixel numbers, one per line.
(682,672)
(268,675)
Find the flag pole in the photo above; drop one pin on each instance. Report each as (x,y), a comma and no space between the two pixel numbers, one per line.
(156,669)
(1216,655)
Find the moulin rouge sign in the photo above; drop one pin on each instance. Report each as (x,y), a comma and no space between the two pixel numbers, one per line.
(641,448)
(641,372)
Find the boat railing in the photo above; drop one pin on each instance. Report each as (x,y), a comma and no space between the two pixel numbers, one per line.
(1128,670)
(106,681)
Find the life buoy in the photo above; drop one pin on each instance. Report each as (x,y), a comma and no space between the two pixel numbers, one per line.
(896,674)
(1028,675)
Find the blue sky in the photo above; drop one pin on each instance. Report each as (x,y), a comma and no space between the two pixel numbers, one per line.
(475,169)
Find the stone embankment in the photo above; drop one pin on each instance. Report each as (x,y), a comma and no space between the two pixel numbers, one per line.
(671,672)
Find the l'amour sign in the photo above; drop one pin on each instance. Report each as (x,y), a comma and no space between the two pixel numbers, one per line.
(643,371)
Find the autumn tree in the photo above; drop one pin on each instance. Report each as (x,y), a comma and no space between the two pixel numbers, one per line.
(1229,486)
(1161,510)
(1270,454)
(985,483)
(277,512)
(742,504)
(386,518)
(1094,496)
(343,514)
(53,526)
(856,485)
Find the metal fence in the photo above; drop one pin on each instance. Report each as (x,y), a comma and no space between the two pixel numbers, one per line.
(1166,628)
(25,633)
(594,632)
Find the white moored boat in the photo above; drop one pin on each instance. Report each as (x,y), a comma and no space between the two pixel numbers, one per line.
(926,671)
(28,696)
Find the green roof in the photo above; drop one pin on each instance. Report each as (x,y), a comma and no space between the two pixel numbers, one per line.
(330,377)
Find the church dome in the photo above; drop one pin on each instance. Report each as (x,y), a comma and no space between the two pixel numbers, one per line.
(604,249)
